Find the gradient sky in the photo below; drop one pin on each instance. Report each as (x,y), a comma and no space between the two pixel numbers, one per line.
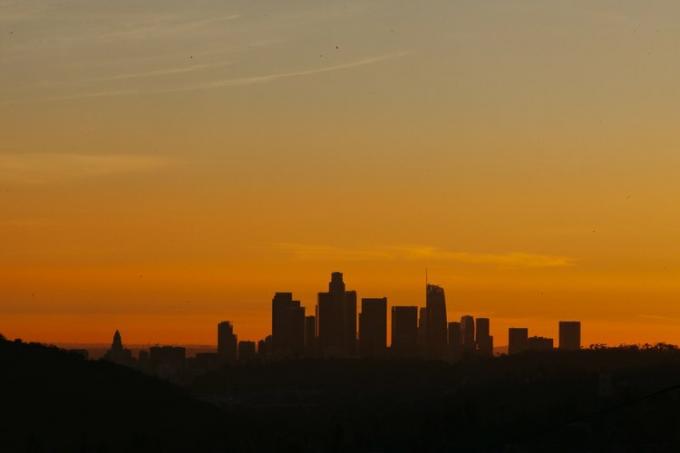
(167,164)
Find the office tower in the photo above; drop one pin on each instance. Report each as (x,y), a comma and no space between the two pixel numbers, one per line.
(337,319)
(435,303)
(570,335)
(483,339)
(467,332)
(264,347)
(422,331)
(226,342)
(455,340)
(373,327)
(539,344)
(517,339)
(288,326)
(482,328)
(246,351)
(404,331)
(485,346)
(310,336)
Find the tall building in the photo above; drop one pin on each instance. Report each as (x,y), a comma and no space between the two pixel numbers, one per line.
(117,353)
(467,332)
(373,327)
(455,340)
(422,331)
(246,351)
(264,348)
(226,342)
(483,339)
(482,328)
(310,336)
(539,344)
(436,338)
(517,339)
(404,331)
(337,319)
(288,326)
(570,335)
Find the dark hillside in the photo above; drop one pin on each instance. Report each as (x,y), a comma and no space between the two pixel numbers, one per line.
(53,400)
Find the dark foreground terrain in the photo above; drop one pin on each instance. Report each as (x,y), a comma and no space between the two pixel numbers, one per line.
(622,399)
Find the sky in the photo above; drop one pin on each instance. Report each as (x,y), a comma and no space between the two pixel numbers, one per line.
(165,165)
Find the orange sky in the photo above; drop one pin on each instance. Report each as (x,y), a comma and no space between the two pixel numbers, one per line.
(165,166)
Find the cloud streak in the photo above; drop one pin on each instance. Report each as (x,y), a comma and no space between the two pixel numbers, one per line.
(164,72)
(41,168)
(166,27)
(226,83)
(286,75)
(309,252)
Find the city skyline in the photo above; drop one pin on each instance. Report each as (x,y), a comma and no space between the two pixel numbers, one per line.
(167,164)
(284,307)
(343,226)
(338,331)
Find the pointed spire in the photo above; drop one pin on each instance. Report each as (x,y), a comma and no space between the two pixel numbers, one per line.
(117,344)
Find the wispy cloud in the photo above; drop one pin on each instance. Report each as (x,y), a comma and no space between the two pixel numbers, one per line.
(285,75)
(423,253)
(166,26)
(225,83)
(163,72)
(511,259)
(39,168)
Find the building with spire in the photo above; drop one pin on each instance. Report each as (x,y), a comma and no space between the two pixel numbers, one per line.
(117,353)
(436,343)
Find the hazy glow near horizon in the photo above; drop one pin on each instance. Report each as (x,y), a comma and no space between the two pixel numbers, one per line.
(165,165)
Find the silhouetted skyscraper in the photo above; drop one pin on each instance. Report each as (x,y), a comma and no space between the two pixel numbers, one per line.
(455,340)
(310,336)
(483,339)
(570,335)
(436,322)
(117,343)
(337,319)
(482,328)
(118,354)
(467,332)
(404,331)
(288,326)
(246,351)
(422,331)
(517,339)
(264,347)
(226,342)
(373,327)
